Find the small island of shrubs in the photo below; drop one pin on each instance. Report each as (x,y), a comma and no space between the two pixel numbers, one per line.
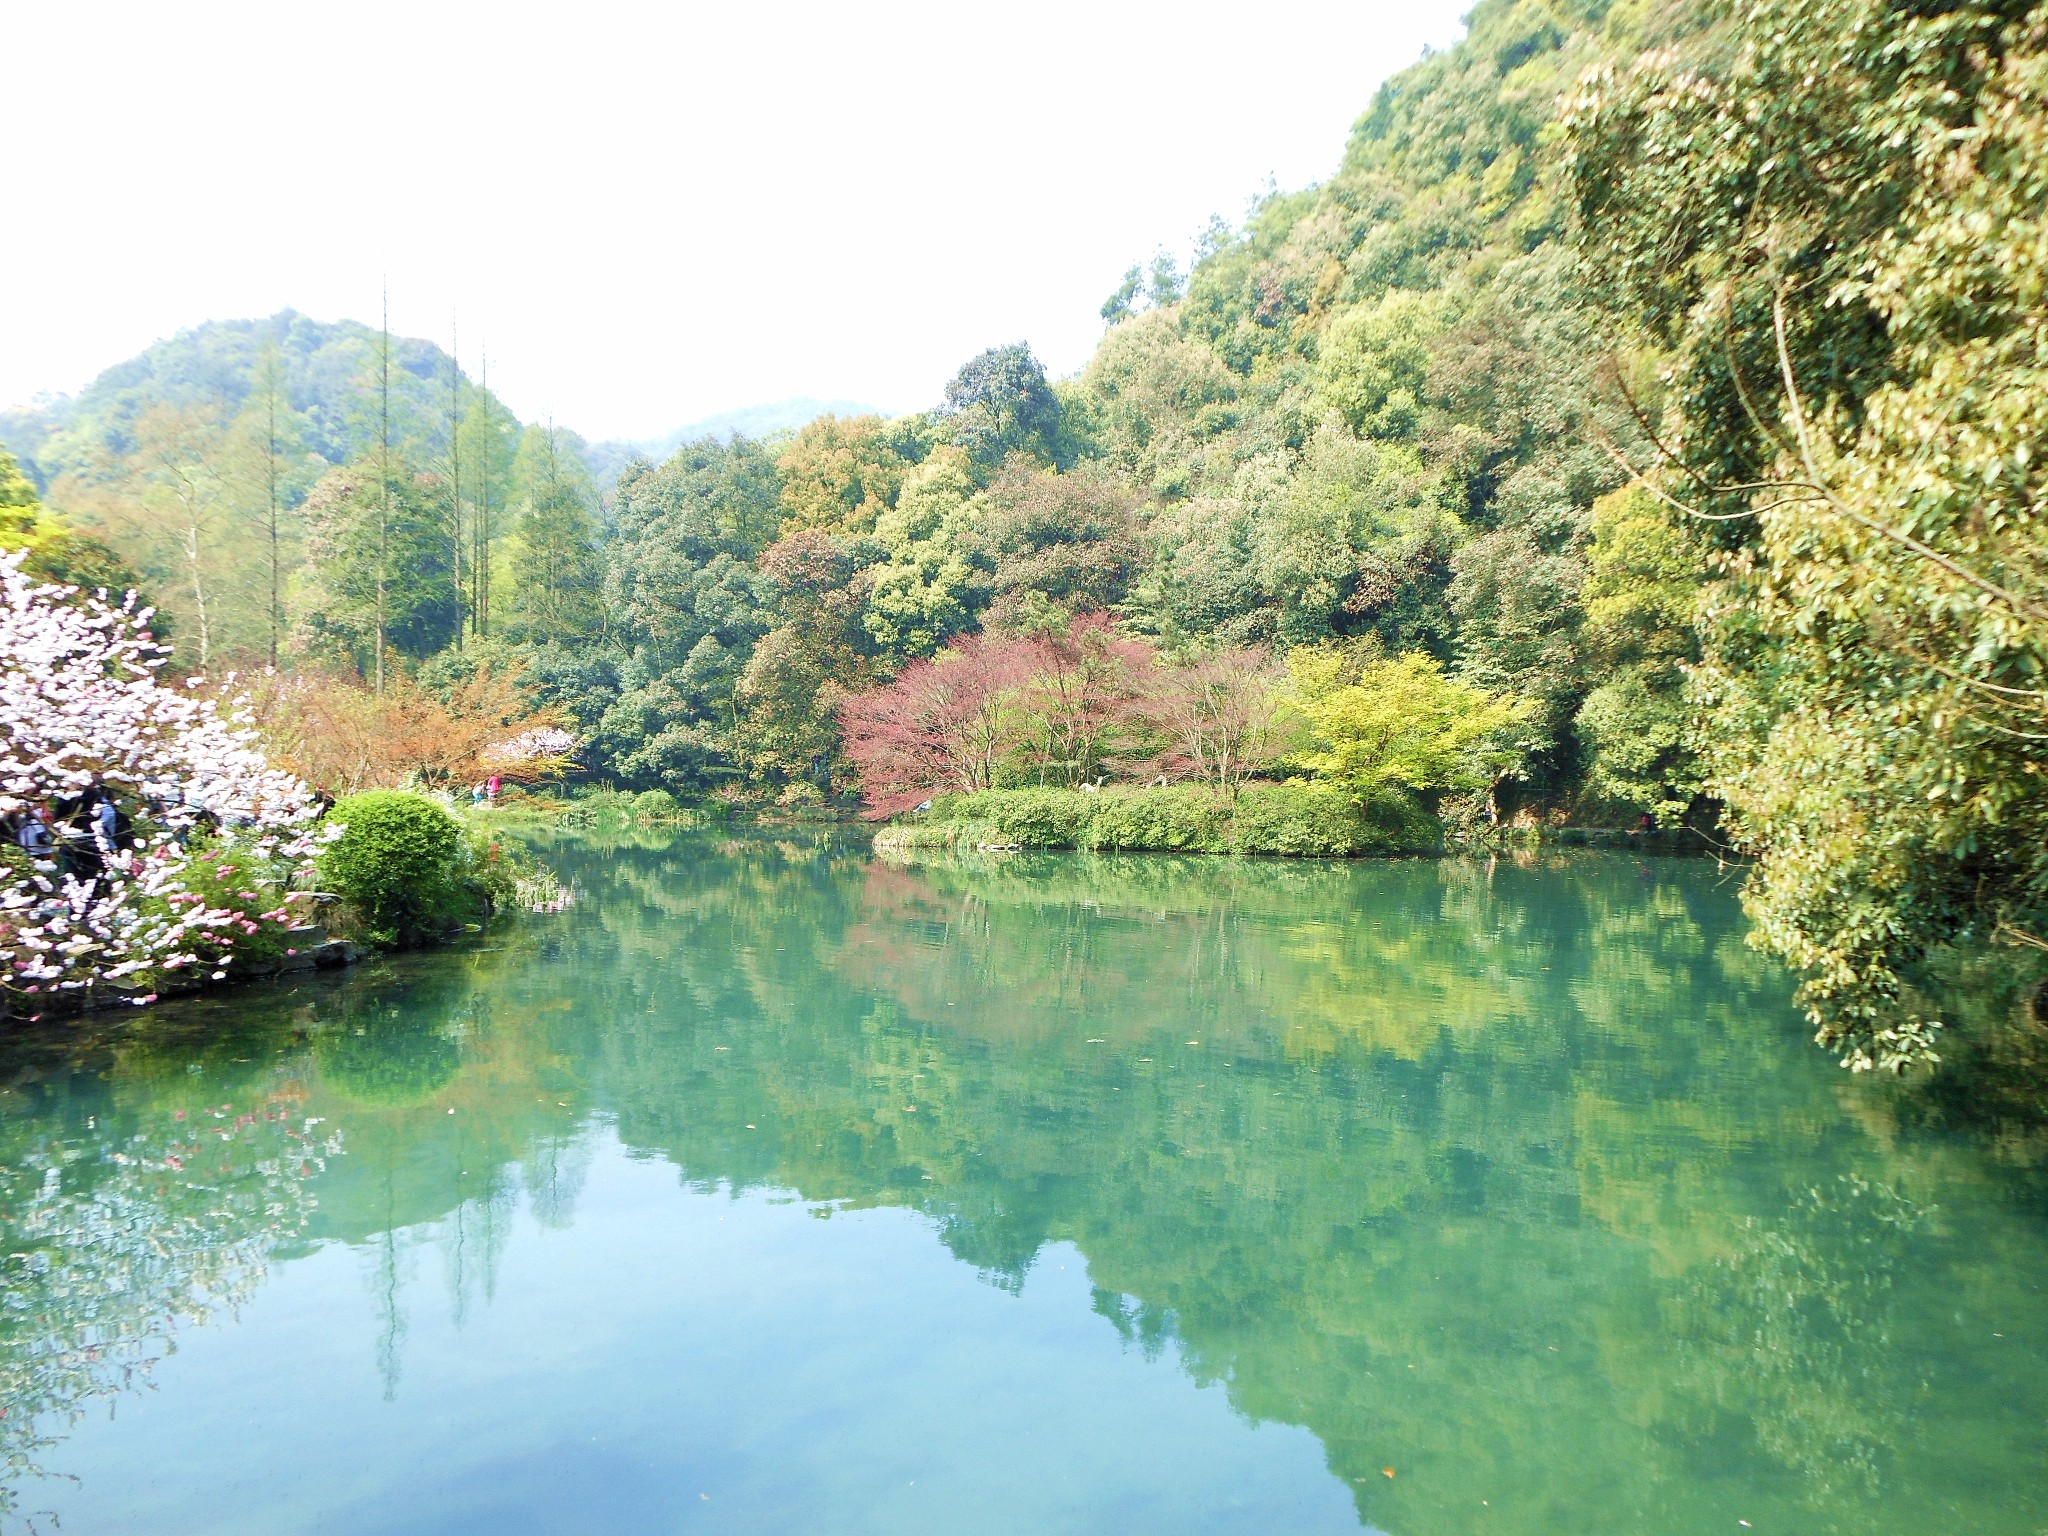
(1321,752)
(1291,820)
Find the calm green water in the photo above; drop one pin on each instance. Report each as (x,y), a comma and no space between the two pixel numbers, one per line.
(776,1188)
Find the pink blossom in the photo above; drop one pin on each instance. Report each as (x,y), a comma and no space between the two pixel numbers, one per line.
(80,706)
(547,745)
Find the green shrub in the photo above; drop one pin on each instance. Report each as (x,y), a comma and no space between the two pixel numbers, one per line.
(1180,818)
(1301,821)
(1295,820)
(1033,818)
(1324,821)
(402,865)
(1401,824)
(493,866)
(600,805)
(656,805)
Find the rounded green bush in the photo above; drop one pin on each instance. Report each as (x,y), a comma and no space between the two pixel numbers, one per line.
(400,864)
(655,805)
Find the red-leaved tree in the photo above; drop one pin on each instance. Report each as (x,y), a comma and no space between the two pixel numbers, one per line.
(1082,704)
(1067,707)
(942,725)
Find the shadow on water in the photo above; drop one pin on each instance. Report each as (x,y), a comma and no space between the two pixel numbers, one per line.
(1511,1175)
(1993,1083)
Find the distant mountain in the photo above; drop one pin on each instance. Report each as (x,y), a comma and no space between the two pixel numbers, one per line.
(608,458)
(328,373)
(327,368)
(760,420)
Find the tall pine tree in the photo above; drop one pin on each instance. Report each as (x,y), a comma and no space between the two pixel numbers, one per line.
(556,578)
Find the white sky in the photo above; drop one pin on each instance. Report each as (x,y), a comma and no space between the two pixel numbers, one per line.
(651,213)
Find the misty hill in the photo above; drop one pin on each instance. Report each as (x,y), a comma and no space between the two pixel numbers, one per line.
(609,457)
(327,370)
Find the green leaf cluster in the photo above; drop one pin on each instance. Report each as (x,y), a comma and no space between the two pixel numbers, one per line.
(1834,230)
(402,865)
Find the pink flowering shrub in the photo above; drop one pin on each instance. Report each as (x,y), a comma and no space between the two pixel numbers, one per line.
(81,707)
(245,887)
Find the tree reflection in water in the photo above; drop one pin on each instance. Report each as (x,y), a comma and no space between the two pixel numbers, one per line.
(1513,1176)
(155,1220)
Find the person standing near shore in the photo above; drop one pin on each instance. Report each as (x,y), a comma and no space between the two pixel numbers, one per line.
(77,831)
(33,836)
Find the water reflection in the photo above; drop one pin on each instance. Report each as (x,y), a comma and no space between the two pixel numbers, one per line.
(124,1229)
(1515,1179)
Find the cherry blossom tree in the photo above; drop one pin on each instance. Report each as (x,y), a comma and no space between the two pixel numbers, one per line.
(541,752)
(82,711)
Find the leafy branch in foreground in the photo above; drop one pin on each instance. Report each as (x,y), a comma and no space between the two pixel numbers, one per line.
(1841,242)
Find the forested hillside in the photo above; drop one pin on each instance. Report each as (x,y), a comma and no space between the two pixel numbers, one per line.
(322,371)
(1459,482)
(198,461)
(1360,418)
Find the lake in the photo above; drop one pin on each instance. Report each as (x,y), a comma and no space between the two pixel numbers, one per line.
(775,1187)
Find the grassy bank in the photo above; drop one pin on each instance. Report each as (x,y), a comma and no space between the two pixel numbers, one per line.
(596,806)
(1292,820)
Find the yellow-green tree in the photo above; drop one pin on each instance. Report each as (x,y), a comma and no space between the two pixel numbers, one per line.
(839,475)
(1641,593)
(1397,724)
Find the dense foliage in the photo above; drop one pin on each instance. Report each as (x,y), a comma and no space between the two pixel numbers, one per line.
(408,870)
(1832,232)
(1638,425)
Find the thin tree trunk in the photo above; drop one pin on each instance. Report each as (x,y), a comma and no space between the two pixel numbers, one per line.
(483,515)
(384,476)
(191,542)
(270,469)
(455,467)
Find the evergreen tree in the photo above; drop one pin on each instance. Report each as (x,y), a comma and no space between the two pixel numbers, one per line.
(489,437)
(557,583)
(383,566)
(1001,404)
